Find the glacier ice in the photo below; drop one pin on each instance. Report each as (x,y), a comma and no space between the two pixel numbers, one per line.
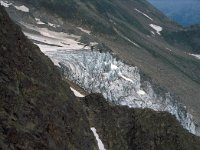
(118,82)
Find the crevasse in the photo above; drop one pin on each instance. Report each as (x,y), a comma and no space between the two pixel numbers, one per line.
(119,83)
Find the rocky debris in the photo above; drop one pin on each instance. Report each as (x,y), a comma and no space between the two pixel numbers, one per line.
(120,127)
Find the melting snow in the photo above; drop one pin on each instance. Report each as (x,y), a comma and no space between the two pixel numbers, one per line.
(157,28)
(5,4)
(22,8)
(83,30)
(53,41)
(144,14)
(99,142)
(76,93)
(195,55)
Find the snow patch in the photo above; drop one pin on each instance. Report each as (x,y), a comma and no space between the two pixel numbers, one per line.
(39,21)
(195,55)
(99,142)
(53,25)
(5,4)
(157,28)
(76,93)
(144,14)
(22,8)
(83,30)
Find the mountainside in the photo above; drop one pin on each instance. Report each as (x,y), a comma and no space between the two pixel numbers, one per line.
(124,128)
(135,35)
(39,111)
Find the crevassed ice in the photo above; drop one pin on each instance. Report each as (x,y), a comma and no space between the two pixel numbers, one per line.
(119,83)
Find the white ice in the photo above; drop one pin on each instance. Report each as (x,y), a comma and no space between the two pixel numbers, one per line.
(113,67)
(141,92)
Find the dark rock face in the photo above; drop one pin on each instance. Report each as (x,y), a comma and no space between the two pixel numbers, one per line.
(37,109)
(123,128)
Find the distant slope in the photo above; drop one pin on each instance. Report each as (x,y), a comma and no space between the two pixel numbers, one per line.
(184,12)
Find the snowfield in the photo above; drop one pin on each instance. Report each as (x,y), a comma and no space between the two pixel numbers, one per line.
(157,28)
(5,4)
(22,8)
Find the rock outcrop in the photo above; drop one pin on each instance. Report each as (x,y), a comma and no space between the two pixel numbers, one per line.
(136,129)
(37,109)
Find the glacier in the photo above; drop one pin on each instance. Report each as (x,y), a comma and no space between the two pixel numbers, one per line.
(119,83)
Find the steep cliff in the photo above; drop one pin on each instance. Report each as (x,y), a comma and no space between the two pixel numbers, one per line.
(37,109)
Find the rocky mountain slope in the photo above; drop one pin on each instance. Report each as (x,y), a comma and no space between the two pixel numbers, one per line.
(123,128)
(39,111)
(133,32)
